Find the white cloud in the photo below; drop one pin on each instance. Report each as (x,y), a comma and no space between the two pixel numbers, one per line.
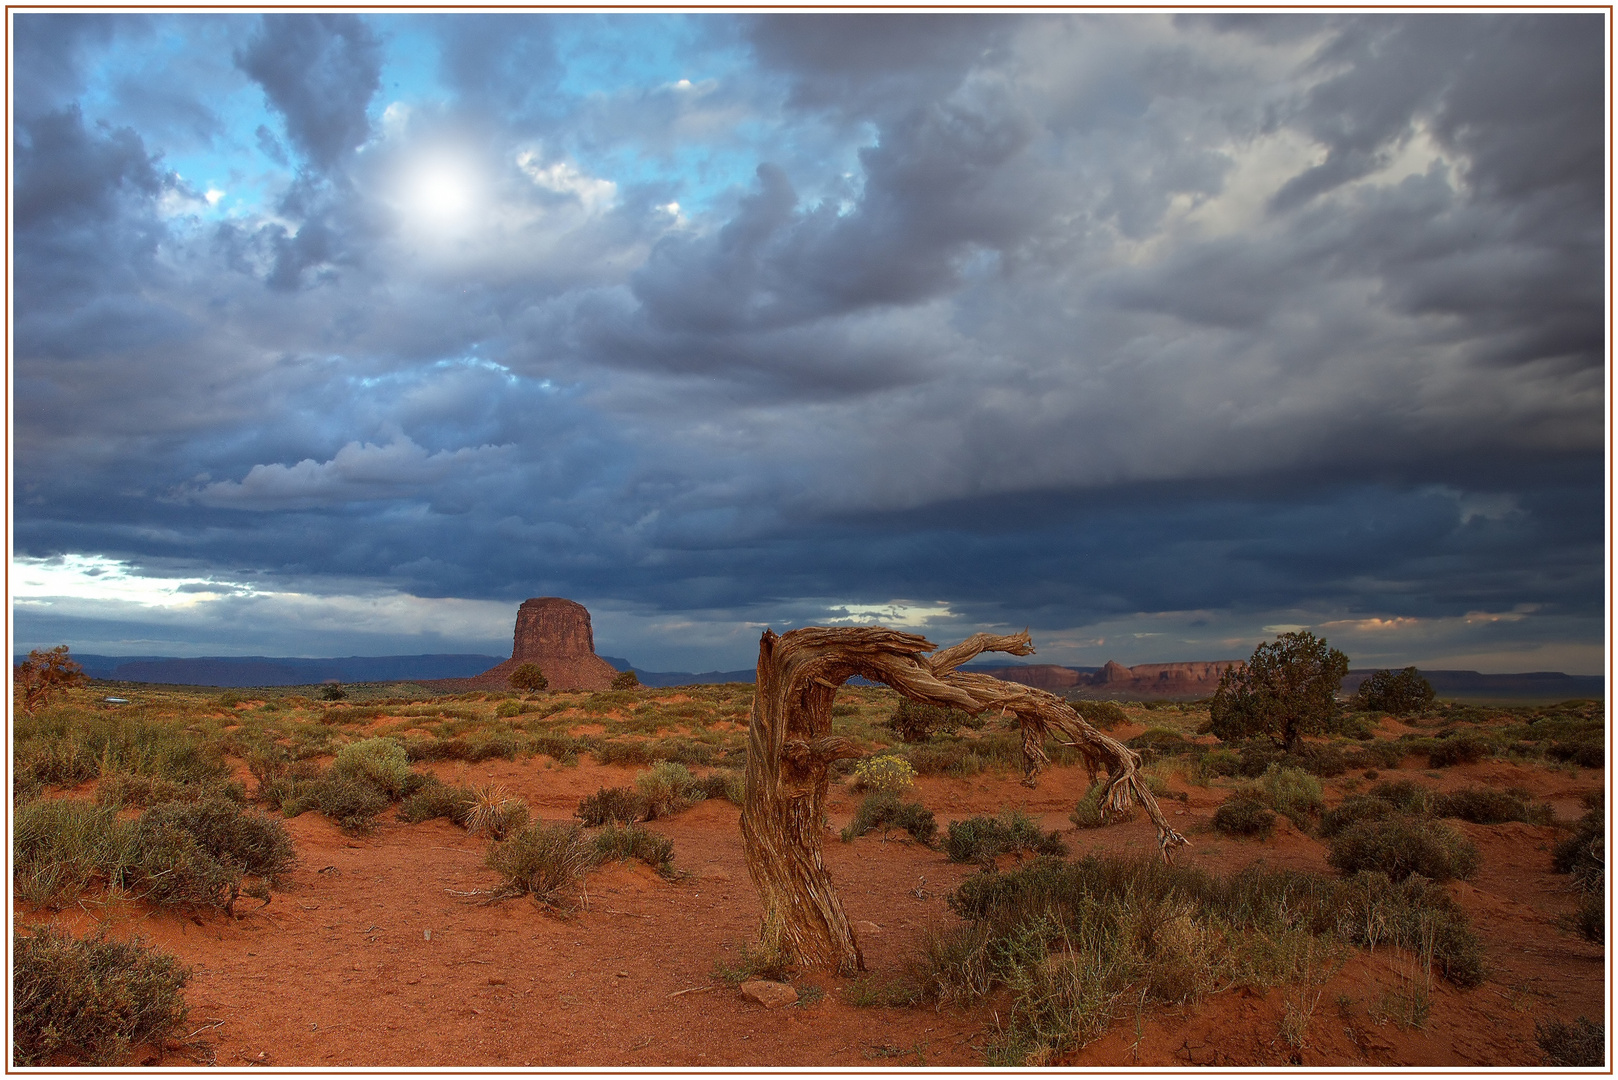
(359,472)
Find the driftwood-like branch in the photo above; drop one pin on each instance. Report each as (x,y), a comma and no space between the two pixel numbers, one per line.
(790,747)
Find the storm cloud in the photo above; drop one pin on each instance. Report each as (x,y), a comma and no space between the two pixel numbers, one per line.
(1146,332)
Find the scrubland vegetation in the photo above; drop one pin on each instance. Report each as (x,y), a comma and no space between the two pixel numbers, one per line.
(179,801)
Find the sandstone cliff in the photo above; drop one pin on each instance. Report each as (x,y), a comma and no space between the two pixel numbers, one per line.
(1195,679)
(555,634)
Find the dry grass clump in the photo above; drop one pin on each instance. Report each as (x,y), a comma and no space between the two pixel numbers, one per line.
(495,811)
(126,789)
(1580,1044)
(1089,813)
(668,788)
(195,853)
(438,800)
(1072,941)
(88,1001)
(636,842)
(1583,855)
(545,861)
(1244,817)
(884,810)
(983,839)
(1400,846)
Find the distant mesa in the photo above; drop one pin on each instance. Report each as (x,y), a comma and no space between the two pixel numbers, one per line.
(555,634)
(1195,679)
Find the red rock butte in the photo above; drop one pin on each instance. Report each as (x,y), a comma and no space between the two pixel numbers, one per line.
(1184,680)
(555,634)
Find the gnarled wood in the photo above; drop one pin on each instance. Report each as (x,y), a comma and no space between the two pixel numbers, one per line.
(790,746)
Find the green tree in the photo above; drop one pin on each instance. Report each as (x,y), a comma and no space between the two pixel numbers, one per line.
(40,677)
(625,680)
(332,691)
(528,678)
(1397,695)
(1287,690)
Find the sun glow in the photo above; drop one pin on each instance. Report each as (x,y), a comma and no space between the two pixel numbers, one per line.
(440,192)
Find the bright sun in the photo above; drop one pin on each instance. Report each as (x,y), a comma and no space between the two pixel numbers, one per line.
(440,192)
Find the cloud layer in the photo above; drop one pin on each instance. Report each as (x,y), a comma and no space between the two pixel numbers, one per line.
(721,322)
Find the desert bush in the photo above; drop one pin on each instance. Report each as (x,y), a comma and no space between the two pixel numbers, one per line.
(1461,748)
(1399,846)
(333,691)
(1488,806)
(1220,762)
(564,749)
(617,804)
(956,758)
(1159,742)
(1580,1044)
(1288,791)
(45,674)
(1072,941)
(1377,754)
(1407,796)
(626,680)
(1105,715)
(61,847)
(884,810)
(682,751)
(668,788)
(231,835)
(89,1001)
(123,789)
(721,784)
(916,723)
(381,763)
(495,812)
(438,800)
(636,842)
(1370,909)
(507,709)
(544,860)
(351,802)
(528,678)
(1354,809)
(197,853)
(1398,695)
(65,750)
(1088,814)
(1591,754)
(1583,854)
(612,752)
(982,839)
(1319,759)
(1246,817)
(885,772)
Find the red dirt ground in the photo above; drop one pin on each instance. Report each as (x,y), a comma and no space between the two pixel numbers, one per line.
(377,954)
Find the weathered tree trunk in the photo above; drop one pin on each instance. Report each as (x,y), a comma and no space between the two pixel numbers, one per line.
(790,747)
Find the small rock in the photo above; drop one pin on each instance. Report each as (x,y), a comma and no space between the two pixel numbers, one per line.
(623,974)
(495,980)
(771,995)
(866,926)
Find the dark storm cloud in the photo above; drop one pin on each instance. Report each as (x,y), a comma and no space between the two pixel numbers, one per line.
(319,71)
(1050,319)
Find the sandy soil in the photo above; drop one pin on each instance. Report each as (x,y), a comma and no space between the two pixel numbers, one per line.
(379,952)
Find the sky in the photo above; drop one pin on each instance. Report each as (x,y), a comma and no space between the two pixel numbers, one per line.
(1159,335)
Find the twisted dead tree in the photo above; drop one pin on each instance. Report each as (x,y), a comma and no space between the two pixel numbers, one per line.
(790,747)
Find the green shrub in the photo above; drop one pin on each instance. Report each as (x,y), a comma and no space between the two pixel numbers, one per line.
(884,810)
(544,860)
(1220,763)
(1459,749)
(982,839)
(1088,814)
(382,763)
(1407,796)
(507,709)
(1578,1045)
(668,788)
(609,752)
(123,789)
(1288,791)
(959,759)
(352,803)
(885,772)
(620,804)
(626,680)
(1377,754)
(1105,715)
(61,847)
(1072,942)
(1354,809)
(1399,846)
(724,784)
(230,835)
(1159,742)
(915,722)
(1239,816)
(89,1001)
(636,842)
(1583,854)
(438,800)
(1488,806)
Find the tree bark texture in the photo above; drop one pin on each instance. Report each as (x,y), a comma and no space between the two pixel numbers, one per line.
(790,747)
